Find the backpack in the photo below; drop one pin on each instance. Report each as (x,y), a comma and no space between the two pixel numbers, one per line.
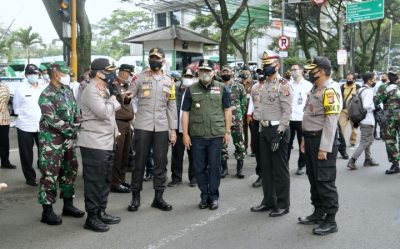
(355,108)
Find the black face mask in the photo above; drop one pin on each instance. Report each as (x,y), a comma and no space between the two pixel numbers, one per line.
(311,76)
(373,84)
(393,78)
(269,70)
(261,77)
(225,77)
(244,76)
(109,79)
(349,82)
(155,65)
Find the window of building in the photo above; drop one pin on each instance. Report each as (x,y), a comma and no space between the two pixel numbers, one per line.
(183,59)
(161,20)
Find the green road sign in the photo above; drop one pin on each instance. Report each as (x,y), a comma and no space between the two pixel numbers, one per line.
(365,11)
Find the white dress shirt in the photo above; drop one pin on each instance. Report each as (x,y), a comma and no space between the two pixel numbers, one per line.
(367,98)
(300,91)
(26,106)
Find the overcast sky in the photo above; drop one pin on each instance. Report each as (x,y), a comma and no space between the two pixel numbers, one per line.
(33,13)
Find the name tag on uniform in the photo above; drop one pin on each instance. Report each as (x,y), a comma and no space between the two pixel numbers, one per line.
(146,86)
(28,95)
(215,90)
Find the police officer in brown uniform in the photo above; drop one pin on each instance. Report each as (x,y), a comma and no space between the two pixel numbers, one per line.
(276,110)
(320,145)
(155,125)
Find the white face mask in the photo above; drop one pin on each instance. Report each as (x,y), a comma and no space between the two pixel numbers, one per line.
(32,78)
(65,80)
(187,82)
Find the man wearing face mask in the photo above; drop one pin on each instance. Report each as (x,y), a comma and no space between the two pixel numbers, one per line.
(25,105)
(238,107)
(384,80)
(178,149)
(366,94)
(254,115)
(58,163)
(97,137)
(348,89)
(206,123)
(301,88)
(124,117)
(155,125)
(319,143)
(389,95)
(44,74)
(247,82)
(276,109)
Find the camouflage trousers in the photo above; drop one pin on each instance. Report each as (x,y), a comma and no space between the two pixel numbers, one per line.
(391,136)
(56,166)
(238,141)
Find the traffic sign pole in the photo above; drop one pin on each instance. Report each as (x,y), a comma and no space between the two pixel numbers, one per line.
(283,33)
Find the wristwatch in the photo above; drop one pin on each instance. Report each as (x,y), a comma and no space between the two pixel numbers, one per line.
(228,132)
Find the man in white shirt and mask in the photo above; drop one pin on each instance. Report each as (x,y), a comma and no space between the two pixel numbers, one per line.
(301,88)
(25,105)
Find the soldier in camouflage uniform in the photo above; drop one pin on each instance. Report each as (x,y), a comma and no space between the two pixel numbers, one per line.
(57,158)
(389,95)
(238,103)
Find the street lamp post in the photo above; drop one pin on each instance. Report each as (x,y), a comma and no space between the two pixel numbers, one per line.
(390,42)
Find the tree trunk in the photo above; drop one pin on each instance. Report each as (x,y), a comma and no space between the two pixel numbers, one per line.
(223,46)
(376,42)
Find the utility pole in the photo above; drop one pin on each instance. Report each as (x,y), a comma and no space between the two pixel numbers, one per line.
(74,57)
(341,71)
(353,36)
(390,42)
(282,26)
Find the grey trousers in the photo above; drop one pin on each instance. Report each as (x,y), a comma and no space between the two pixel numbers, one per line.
(367,138)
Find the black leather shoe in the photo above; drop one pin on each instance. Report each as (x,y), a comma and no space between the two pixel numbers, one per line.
(72,211)
(214,205)
(125,184)
(370,163)
(174,183)
(300,171)
(311,219)
(148,177)
(108,219)
(278,212)
(393,170)
(159,202)
(120,189)
(325,228)
(32,183)
(203,204)
(8,166)
(95,224)
(257,183)
(260,208)
(239,169)
(50,218)
(135,203)
(193,182)
(345,156)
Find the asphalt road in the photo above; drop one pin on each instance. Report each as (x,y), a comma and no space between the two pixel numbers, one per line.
(369,215)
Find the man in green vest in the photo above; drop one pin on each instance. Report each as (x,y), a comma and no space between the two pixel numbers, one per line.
(206,123)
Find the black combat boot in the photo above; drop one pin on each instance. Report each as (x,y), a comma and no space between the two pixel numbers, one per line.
(316,217)
(370,163)
(258,182)
(94,223)
(135,203)
(224,168)
(108,219)
(70,210)
(352,164)
(327,226)
(394,169)
(49,217)
(239,169)
(159,202)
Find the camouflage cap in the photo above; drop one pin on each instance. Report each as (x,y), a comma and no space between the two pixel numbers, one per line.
(226,68)
(57,67)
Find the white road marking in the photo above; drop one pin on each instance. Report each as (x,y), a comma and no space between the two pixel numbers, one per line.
(190,228)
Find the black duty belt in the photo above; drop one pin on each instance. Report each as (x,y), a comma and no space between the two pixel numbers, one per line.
(312,133)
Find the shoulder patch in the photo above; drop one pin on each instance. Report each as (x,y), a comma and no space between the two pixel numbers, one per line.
(283,81)
(331,102)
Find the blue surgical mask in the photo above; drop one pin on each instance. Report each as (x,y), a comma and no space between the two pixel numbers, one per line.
(32,78)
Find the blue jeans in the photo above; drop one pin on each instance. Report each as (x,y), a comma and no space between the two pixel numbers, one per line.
(207,163)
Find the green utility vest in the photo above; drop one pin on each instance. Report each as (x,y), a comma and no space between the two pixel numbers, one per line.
(206,116)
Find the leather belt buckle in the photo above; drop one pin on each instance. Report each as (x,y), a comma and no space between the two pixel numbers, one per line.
(265,123)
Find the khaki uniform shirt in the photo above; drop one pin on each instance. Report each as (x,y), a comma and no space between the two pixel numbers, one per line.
(276,102)
(316,117)
(156,102)
(254,107)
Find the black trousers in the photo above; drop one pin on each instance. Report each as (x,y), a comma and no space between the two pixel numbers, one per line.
(97,167)
(275,169)
(321,174)
(255,124)
(178,151)
(25,145)
(121,158)
(296,129)
(4,145)
(342,142)
(144,141)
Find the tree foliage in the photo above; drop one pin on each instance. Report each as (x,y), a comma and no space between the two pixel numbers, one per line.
(109,32)
(27,39)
